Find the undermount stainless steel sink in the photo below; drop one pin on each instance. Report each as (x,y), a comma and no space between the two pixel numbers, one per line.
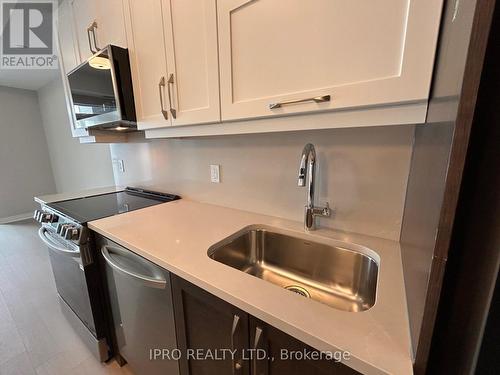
(337,275)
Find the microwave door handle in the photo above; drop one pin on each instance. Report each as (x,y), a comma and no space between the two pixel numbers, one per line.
(51,245)
(153,282)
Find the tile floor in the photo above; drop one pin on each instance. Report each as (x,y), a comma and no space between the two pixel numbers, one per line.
(35,337)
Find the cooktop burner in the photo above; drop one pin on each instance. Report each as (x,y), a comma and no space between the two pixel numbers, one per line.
(96,207)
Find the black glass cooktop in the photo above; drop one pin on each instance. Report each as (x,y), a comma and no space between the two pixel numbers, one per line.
(96,207)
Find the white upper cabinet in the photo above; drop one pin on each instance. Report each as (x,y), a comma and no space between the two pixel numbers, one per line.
(360,63)
(68,46)
(192,60)
(110,22)
(83,27)
(281,57)
(174,61)
(145,37)
(98,23)
(84,13)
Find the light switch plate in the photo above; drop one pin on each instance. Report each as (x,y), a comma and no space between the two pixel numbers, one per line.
(215,173)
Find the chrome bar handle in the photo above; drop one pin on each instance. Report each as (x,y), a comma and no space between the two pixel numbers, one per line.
(89,30)
(316,99)
(93,27)
(259,336)
(152,282)
(160,85)
(236,363)
(42,233)
(171,83)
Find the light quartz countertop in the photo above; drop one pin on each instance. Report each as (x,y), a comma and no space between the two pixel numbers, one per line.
(43,199)
(177,235)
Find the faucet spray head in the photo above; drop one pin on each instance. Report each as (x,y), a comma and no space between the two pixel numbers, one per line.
(302,177)
(308,150)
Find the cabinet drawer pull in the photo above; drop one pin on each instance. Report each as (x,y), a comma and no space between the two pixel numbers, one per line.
(316,99)
(89,30)
(236,363)
(161,85)
(93,27)
(262,368)
(171,83)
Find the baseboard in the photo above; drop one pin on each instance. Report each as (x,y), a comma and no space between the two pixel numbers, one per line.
(13,219)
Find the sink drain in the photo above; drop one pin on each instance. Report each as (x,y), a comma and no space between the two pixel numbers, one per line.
(299,290)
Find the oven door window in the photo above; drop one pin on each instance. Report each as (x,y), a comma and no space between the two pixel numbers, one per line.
(70,280)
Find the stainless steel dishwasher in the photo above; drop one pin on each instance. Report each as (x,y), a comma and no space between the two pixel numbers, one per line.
(140,296)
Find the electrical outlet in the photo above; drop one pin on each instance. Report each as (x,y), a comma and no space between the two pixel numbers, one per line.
(119,165)
(215,173)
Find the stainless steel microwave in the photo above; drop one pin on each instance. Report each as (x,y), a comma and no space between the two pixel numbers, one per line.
(101,91)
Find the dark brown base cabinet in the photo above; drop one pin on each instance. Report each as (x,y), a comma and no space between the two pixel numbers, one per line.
(209,330)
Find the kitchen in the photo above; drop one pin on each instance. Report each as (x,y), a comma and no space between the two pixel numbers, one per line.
(213,197)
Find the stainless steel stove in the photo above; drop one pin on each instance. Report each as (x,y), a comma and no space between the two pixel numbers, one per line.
(73,257)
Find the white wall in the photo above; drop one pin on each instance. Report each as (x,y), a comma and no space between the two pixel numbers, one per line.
(25,169)
(362,172)
(76,166)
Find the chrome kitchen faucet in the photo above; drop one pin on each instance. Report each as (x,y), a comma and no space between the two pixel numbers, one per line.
(307,170)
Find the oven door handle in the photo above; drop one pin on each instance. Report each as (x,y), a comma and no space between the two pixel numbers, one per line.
(157,282)
(54,247)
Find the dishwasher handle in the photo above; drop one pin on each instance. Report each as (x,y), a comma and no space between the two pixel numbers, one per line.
(158,282)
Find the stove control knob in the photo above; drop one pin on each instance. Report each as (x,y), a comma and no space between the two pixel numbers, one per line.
(37,214)
(67,232)
(75,234)
(72,233)
(46,217)
(60,227)
(64,229)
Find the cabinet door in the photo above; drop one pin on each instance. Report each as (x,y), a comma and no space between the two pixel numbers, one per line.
(84,12)
(145,37)
(110,23)
(68,45)
(360,53)
(69,57)
(205,322)
(279,360)
(192,59)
